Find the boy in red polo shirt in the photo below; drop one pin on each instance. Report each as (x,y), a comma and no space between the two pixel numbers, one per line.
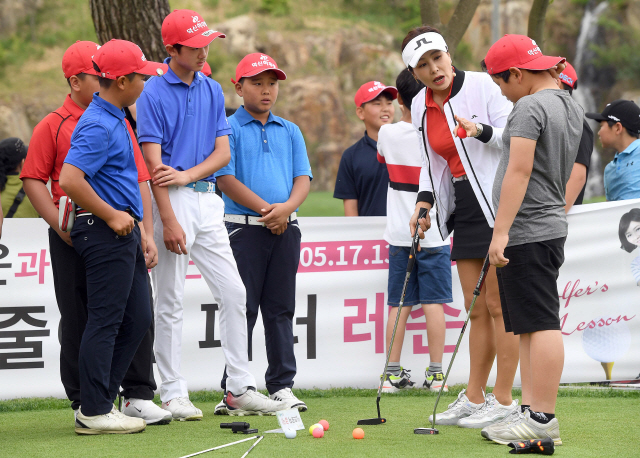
(47,151)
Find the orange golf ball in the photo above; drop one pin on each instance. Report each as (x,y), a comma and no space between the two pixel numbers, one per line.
(358,433)
(325,424)
(318,433)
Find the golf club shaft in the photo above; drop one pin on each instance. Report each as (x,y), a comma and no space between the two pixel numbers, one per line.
(254,444)
(476,293)
(219,447)
(410,264)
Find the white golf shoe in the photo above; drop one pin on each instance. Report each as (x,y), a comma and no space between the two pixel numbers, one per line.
(182,409)
(460,408)
(114,422)
(252,403)
(286,395)
(147,410)
(221,408)
(491,412)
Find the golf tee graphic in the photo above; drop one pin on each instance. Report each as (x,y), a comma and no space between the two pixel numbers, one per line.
(341,310)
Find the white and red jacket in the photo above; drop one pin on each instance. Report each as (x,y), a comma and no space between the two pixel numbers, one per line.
(474,96)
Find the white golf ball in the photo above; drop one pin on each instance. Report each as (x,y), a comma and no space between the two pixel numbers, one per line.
(290,434)
(606,344)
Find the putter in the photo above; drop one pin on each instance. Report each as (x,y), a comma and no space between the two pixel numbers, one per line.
(410,264)
(476,293)
(222,446)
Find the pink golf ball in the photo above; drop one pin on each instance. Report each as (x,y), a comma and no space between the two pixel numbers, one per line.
(318,433)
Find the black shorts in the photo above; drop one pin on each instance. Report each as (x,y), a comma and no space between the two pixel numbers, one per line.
(528,286)
(471,232)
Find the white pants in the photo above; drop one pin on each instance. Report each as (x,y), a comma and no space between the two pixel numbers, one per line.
(201,216)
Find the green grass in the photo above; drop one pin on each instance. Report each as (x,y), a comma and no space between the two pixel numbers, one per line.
(321,203)
(593,423)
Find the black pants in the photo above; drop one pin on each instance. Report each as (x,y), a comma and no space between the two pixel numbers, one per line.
(268,265)
(70,283)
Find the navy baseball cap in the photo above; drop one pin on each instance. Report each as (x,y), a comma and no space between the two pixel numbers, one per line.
(626,112)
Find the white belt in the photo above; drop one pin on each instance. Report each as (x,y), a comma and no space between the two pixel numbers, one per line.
(252,220)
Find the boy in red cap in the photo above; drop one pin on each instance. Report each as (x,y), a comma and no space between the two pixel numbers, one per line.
(267,179)
(48,149)
(568,80)
(184,133)
(540,144)
(362,181)
(100,175)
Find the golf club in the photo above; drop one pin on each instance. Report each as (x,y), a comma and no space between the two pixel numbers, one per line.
(476,293)
(410,264)
(221,446)
(251,448)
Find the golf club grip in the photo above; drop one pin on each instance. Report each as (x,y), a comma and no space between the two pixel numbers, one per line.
(483,275)
(416,239)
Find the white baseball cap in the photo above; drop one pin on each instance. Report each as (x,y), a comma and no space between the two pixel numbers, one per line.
(421,44)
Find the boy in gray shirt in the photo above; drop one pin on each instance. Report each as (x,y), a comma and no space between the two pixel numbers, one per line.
(540,144)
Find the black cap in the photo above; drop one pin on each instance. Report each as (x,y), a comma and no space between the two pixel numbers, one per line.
(626,112)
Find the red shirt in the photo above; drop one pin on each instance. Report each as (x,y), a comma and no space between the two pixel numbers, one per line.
(50,144)
(439,135)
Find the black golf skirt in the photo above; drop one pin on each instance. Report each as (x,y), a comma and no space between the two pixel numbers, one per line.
(471,232)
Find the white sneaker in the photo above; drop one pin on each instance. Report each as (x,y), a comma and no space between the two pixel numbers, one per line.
(221,408)
(491,412)
(460,408)
(182,409)
(146,409)
(287,396)
(514,417)
(114,422)
(252,403)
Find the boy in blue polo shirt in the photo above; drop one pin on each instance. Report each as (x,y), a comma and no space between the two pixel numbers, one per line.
(265,182)
(100,175)
(184,134)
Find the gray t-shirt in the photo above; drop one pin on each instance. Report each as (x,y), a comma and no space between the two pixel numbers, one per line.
(554,120)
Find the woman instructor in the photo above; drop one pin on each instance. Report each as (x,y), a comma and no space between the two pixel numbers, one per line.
(457,176)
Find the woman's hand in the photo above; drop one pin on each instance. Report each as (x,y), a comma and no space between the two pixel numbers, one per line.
(468,126)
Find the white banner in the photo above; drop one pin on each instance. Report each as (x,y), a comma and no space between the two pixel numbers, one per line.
(340,312)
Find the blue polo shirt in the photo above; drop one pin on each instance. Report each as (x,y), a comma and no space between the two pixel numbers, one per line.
(265,158)
(362,177)
(102,148)
(622,175)
(184,119)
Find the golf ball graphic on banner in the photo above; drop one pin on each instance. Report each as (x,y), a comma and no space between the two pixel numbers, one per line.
(606,343)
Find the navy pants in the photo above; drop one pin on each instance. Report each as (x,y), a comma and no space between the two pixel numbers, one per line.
(118,314)
(70,284)
(268,265)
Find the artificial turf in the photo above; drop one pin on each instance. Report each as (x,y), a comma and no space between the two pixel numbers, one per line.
(593,423)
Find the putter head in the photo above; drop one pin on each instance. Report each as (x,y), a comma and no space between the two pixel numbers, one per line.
(372,421)
(425,431)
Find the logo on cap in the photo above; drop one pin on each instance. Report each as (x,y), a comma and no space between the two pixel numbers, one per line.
(195,19)
(377,85)
(422,41)
(263,57)
(614,118)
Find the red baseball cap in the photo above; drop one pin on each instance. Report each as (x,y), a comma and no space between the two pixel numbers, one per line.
(256,63)
(186,27)
(569,75)
(206,69)
(518,51)
(371,90)
(120,57)
(78,58)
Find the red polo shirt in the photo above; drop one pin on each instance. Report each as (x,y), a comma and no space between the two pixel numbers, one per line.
(439,135)
(51,141)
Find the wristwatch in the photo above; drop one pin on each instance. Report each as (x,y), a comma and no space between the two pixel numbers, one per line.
(479,129)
